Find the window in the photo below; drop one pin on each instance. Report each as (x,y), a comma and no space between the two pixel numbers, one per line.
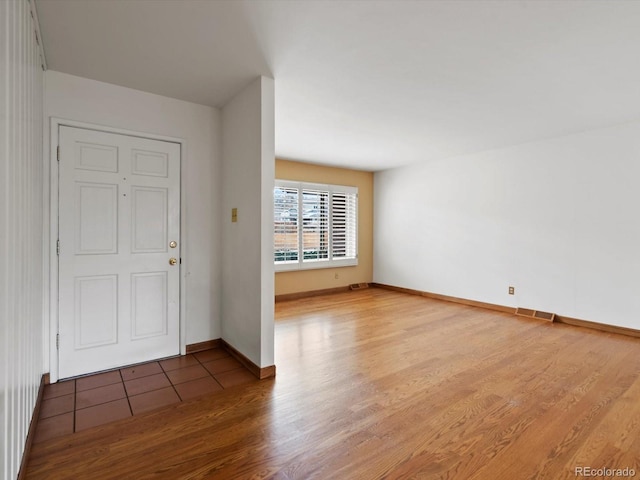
(315,226)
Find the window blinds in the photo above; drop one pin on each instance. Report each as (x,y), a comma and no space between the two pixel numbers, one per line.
(285,213)
(315,226)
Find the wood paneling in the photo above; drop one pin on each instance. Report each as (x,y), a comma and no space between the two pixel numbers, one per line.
(32,427)
(380,384)
(21,229)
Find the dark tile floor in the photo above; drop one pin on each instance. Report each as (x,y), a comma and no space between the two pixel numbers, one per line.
(73,405)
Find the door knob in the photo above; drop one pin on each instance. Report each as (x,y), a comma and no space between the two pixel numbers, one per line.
(172,261)
(173,244)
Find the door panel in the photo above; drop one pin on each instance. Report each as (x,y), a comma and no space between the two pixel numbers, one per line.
(148,298)
(155,164)
(149,219)
(96,300)
(96,218)
(119,207)
(101,158)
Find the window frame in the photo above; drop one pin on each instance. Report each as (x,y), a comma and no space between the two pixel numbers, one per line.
(330,262)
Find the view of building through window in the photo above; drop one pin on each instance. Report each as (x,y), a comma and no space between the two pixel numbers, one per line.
(314,225)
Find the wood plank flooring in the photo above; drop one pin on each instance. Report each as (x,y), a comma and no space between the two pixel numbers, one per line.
(379,384)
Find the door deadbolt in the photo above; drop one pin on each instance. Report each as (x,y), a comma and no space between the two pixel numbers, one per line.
(173,244)
(172,261)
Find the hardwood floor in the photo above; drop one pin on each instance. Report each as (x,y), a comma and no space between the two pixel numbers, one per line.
(378,384)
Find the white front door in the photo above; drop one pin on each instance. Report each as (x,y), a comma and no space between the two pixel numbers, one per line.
(119,231)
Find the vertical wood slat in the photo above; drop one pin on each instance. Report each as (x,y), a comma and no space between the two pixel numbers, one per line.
(21,225)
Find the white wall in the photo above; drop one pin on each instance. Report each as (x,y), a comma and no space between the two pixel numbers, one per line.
(21,217)
(558,219)
(247,267)
(81,99)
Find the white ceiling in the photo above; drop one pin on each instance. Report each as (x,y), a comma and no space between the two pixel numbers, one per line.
(370,84)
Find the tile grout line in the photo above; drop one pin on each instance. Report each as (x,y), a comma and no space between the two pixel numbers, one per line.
(207,370)
(198,360)
(75,402)
(241,367)
(126,393)
(216,380)
(123,383)
(211,374)
(163,370)
(170,382)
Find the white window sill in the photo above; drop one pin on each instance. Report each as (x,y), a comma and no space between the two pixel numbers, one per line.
(314,265)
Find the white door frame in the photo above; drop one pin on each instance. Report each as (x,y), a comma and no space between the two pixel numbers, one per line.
(53,329)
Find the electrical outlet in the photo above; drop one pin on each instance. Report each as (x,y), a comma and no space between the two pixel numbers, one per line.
(512,291)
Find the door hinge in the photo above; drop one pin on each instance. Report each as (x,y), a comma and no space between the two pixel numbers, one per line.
(58,247)
(57,341)
(58,152)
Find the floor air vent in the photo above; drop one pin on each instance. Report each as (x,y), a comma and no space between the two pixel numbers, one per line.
(358,286)
(527,312)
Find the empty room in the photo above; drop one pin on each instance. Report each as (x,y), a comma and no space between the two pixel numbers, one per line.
(315,239)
